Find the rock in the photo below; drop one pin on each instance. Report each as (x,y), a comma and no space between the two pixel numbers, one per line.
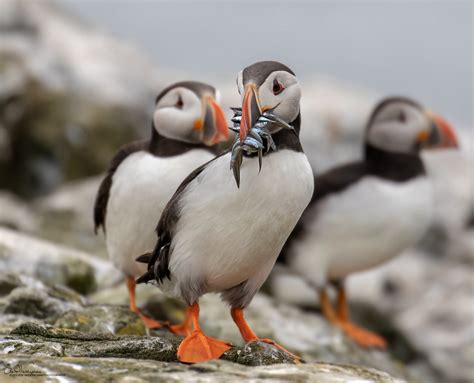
(117,320)
(65,352)
(52,263)
(94,345)
(451,174)
(66,216)
(258,354)
(16,214)
(139,371)
(422,303)
(65,108)
(55,322)
(305,334)
(25,299)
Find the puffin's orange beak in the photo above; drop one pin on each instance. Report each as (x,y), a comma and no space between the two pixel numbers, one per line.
(442,135)
(214,123)
(251,110)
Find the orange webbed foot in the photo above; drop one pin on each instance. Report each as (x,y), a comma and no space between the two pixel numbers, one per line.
(183,329)
(340,318)
(150,322)
(197,347)
(362,337)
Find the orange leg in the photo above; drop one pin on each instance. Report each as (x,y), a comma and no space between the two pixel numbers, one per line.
(340,318)
(249,336)
(197,347)
(149,322)
(184,328)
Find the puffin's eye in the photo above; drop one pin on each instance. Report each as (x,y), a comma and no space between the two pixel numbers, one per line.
(402,117)
(179,104)
(277,87)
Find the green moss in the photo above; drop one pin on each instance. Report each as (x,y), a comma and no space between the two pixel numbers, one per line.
(135,327)
(80,277)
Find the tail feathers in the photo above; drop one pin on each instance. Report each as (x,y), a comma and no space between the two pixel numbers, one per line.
(161,268)
(147,277)
(157,261)
(144,258)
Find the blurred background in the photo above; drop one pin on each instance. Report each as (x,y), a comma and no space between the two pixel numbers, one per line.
(419,49)
(78,79)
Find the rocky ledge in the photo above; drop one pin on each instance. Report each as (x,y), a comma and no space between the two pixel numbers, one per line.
(55,332)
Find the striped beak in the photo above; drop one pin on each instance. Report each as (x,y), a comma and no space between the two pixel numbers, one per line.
(251,110)
(441,134)
(214,124)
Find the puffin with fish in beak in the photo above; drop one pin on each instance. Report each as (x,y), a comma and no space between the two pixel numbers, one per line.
(215,237)
(188,124)
(364,213)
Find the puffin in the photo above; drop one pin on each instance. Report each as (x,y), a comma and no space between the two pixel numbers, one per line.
(187,126)
(217,236)
(364,213)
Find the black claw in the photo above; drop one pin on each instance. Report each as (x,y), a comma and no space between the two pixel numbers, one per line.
(260,158)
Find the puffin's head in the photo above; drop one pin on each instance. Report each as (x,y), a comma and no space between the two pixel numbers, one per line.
(268,86)
(401,125)
(188,111)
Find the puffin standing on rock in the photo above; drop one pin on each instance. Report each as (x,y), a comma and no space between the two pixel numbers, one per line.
(365,213)
(142,177)
(217,237)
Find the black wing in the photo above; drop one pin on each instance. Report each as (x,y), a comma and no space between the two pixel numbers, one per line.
(102,198)
(336,180)
(325,185)
(158,259)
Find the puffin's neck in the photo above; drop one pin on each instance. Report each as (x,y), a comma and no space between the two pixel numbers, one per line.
(287,139)
(162,146)
(393,166)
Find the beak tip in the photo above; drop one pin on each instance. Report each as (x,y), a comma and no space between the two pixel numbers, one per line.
(449,138)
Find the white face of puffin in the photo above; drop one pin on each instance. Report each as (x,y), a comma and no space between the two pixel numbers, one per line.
(280,91)
(402,126)
(182,115)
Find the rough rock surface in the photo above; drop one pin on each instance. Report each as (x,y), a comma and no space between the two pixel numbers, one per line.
(92,340)
(56,322)
(133,371)
(53,264)
(64,108)
(40,322)
(431,302)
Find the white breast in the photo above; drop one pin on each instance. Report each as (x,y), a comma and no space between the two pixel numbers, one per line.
(141,187)
(363,226)
(225,235)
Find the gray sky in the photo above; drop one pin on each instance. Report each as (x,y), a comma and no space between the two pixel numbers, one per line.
(421,49)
